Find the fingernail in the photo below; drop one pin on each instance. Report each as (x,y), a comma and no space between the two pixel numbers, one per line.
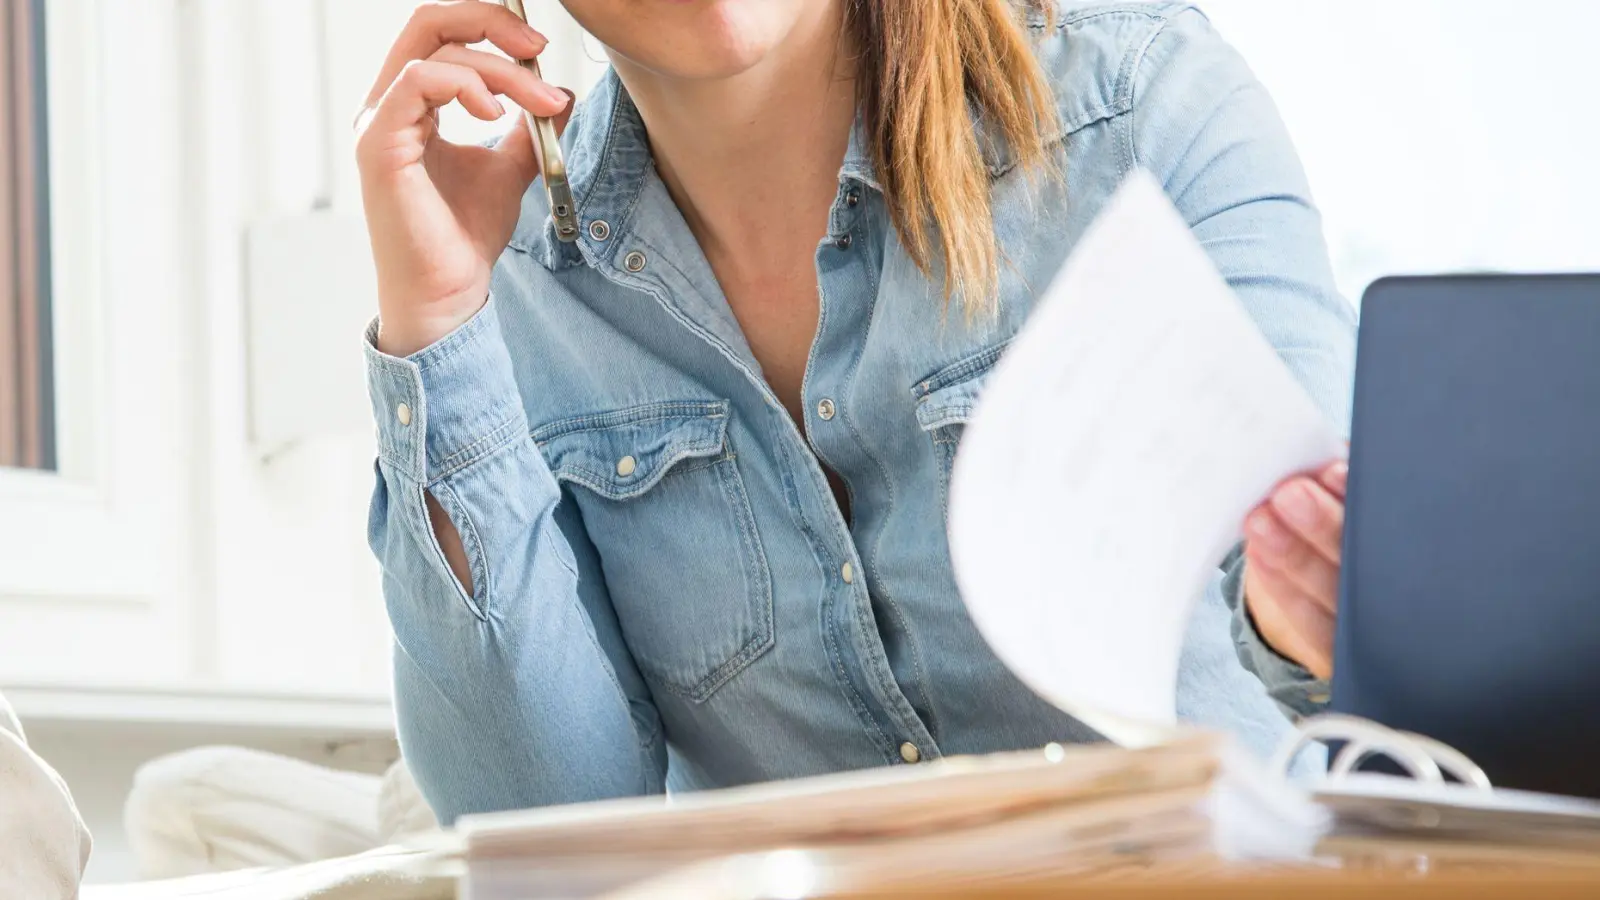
(500,108)
(556,95)
(1339,476)
(1262,531)
(534,36)
(1295,502)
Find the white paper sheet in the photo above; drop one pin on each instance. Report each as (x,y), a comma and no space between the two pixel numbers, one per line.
(1115,452)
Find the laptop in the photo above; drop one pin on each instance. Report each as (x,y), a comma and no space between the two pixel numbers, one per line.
(1470,599)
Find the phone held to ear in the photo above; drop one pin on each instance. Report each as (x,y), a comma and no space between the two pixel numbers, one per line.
(547,149)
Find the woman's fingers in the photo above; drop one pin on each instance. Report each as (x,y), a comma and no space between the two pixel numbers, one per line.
(429,66)
(1336,478)
(426,85)
(1292,557)
(459,73)
(502,76)
(436,25)
(1292,622)
(470,76)
(1274,546)
(1311,511)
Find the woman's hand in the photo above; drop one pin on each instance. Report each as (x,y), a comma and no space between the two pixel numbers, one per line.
(1291,581)
(440,214)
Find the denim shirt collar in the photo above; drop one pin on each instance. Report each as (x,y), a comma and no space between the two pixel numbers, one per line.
(609,161)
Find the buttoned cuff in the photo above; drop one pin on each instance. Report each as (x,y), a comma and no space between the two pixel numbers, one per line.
(447,406)
(1297,692)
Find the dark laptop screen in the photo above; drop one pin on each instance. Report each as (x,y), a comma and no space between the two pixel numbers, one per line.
(1471,593)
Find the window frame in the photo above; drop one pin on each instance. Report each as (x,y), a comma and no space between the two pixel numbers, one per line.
(27,423)
(95,554)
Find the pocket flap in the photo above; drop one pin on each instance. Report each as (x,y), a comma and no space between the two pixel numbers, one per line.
(620,455)
(949,396)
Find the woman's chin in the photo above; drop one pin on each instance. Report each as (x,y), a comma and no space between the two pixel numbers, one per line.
(689,39)
(706,62)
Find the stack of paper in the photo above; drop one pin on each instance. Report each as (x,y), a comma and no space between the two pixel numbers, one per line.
(1053,811)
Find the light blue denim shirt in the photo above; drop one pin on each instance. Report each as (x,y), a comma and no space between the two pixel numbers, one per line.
(665,593)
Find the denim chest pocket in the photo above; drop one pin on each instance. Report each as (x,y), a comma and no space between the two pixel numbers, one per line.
(946,401)
(664,505)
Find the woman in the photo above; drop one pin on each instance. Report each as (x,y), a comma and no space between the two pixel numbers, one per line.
(675,490)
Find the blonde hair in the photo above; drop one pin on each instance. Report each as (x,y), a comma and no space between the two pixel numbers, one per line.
(921,63)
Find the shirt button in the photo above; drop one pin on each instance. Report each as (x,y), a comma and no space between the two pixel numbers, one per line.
(626,466)
(403,413)
(910,753)
(634,262)
(848,573)
(852,198)
(599,229)
(843,241)
(826,410)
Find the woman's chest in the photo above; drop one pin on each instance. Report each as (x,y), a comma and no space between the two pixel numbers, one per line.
(852,363)
(709,445)
(776,307)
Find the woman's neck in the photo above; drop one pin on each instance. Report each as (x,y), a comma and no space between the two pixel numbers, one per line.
(752,161)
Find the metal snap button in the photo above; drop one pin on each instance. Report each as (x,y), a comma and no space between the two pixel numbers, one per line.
(634,262)
(599,229)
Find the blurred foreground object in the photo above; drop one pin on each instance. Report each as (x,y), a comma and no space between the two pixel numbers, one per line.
(220,809)
(1192,818)
(44,845)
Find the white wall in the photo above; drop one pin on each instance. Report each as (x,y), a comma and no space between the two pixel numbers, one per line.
(1439,134)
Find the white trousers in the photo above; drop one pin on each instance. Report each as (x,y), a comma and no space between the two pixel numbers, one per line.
(216,809)
(44,845)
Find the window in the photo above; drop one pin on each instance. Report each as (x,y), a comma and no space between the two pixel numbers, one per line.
(27,432)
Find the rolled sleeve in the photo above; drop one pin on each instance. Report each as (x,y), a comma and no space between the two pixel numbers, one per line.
(447,406)
(1292,686)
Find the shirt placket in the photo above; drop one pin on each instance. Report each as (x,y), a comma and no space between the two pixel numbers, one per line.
(844,293)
